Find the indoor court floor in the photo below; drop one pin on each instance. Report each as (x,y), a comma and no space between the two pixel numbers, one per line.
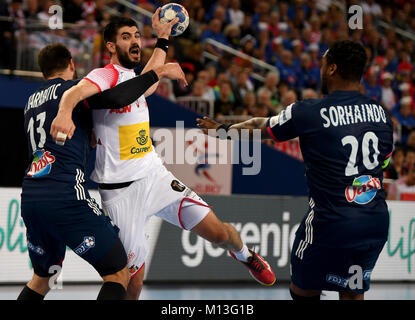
(174,291)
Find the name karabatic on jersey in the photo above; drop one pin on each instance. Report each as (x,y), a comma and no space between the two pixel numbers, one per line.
(42,96)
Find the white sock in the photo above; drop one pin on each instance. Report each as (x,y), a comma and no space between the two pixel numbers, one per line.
(243,254)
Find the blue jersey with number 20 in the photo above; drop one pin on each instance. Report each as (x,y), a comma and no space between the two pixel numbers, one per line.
(346,140)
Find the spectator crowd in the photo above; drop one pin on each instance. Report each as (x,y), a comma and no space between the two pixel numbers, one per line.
(290,36)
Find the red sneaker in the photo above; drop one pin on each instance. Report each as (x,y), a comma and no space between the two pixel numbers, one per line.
(259,269)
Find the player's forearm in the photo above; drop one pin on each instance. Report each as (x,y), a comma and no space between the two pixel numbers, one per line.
(62,126)
(251,124)
(69,100)
(83,90)
(157,59)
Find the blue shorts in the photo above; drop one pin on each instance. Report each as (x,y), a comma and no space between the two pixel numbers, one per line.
(316,267)
(79,224)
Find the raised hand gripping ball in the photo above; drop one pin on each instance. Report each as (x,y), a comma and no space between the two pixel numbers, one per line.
(172,10)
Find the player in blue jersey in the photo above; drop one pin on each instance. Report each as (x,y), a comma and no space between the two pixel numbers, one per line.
(346,140)
(56,207)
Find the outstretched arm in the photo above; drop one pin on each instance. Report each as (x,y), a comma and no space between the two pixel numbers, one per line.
(251,124)
(288,124)
(63,126)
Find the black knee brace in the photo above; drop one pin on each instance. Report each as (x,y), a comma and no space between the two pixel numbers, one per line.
(113,261)
(296,297)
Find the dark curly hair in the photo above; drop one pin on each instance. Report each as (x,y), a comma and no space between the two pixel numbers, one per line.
(350,58)
(111,29)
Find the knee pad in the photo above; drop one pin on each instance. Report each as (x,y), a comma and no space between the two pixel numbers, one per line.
(296,297)
(113,261)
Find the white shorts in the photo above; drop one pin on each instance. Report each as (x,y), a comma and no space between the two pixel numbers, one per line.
(160,194)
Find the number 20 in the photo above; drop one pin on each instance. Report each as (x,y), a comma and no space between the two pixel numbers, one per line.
(351,168)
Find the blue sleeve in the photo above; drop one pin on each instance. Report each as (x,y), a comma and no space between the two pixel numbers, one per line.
(282,127)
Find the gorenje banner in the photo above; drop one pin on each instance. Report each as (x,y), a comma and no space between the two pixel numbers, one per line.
(266,223)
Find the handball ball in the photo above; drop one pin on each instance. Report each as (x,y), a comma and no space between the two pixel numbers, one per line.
(172,10)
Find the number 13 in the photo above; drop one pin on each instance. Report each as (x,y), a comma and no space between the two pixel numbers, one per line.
(41,118)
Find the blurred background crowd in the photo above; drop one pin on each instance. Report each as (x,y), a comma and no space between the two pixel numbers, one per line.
(245,58)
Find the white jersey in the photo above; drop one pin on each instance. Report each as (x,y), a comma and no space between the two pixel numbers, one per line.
(124,149)
(125,153)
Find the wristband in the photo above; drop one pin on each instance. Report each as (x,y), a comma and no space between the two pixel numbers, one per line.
(163,44)
(154,75)
(224,126)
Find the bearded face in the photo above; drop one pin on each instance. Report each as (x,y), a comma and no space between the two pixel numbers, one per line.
(324,76)
(324,86)
(130,58)
(127,47)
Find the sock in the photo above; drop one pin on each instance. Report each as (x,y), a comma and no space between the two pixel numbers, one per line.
(29,294)
(111,291)
(243,254)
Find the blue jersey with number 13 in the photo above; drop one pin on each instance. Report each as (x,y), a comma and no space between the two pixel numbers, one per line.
(55,172)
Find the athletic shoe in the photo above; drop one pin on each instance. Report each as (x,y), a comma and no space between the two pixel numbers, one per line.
(259,269)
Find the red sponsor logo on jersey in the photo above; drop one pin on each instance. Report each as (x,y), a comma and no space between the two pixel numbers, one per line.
(126,109)
(41,163)
(363,189)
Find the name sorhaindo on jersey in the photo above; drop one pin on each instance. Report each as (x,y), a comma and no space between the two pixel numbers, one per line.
(134,140)
(346,115)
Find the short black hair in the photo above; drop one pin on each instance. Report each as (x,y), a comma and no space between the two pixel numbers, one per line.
(53,58)
(350,58)
(111,29)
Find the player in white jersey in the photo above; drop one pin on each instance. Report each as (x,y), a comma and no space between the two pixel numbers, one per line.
(133,183)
